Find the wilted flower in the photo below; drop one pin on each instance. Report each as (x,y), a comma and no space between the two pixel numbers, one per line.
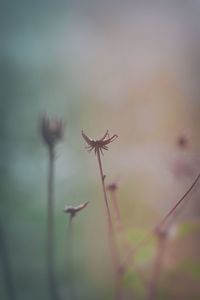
(73,210)
(112,187)
(99,145)
(51,130)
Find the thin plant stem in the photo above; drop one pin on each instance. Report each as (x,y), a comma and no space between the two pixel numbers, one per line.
(116,209)
(113,195)
(70,258)
(119,285)
(171,211)
(50,227)
(157,268)
(143,241)
(104,189)
(72,211)
(6,265)
(113,248)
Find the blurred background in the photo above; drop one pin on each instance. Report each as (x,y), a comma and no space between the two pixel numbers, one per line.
(128,66)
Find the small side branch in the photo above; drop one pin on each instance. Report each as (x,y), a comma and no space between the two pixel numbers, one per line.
(159,226)
(158,263)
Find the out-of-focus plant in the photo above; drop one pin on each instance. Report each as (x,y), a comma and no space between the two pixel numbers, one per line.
(112,188)
(52,131)
(160,231)
(161,236)
(72,211)
(160,224)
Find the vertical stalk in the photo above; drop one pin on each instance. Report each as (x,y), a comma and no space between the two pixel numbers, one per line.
(157,268)
(116,208)
(70,258)
(104,189)
(113,248)
(50,227)
(8,278)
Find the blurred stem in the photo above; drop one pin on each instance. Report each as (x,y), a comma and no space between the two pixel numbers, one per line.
(70,258)
(113,194)
(166,217)
(6,266)
(112,244)
(157,268)
(50,227)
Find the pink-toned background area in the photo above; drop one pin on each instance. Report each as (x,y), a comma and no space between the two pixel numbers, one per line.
(131,67)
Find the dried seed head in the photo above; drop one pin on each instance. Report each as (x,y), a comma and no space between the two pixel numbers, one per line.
(51,130)
(100,144)
(73,210)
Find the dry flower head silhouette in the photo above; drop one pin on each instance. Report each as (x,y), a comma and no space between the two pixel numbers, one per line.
(73,210)
(100,144)
(52,130)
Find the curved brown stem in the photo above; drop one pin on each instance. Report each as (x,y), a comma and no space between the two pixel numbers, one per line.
(160,224)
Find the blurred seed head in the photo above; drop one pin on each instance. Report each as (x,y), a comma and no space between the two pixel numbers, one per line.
(100,144)
(183,140)
(161,233)
(52,130)
(73,210)
(112,187)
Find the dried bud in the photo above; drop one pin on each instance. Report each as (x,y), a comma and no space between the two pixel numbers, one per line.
(100,144)
(51,130)
(73,210)
(161,233)
(183,139)
(112,187)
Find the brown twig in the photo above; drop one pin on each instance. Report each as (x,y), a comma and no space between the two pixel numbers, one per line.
(143,241)
(98,146)
(113,247)
(110,226)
